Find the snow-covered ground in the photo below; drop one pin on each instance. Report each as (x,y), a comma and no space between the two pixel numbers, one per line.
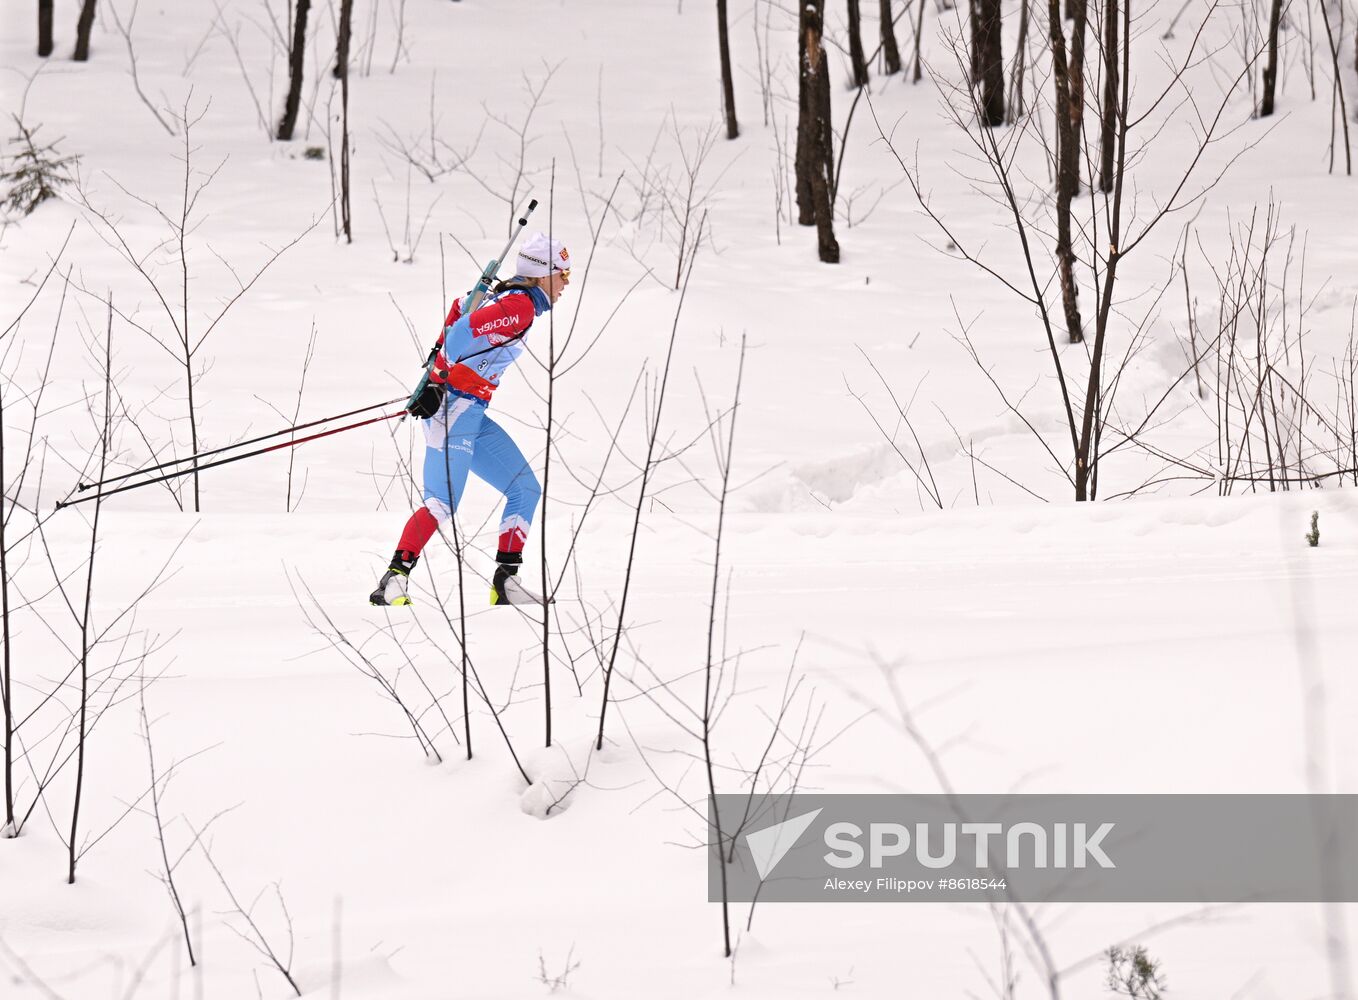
(1177,641)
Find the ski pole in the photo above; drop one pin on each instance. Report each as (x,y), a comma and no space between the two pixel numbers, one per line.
(488,275)
(82,487)
(234,458)
(483,284)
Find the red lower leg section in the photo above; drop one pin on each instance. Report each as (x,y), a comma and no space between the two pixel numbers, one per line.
(419,529)
(513,534)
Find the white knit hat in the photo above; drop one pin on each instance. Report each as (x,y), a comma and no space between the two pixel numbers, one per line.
(539,257)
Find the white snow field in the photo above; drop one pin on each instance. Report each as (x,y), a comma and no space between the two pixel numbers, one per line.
(967,622)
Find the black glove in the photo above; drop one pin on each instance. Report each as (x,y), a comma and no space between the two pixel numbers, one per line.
(429,400)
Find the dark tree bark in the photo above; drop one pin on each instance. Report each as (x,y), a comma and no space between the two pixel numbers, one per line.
(1087,450)
(342,71)
(806,210)
(1108,137)
(815,152)
(1338,92)
(1078,27)
(296,64)
(6,661)
(988,46)
(1017,102)
(45,28)
(82,31)
(345,32)
(1271,67)
(890,51)
(85,646)
(728,89)
(974,27)
(825,146)
(860,63)
(1067,80)
(919,39)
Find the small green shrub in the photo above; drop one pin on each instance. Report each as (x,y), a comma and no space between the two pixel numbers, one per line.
(1133,974)
(35,173)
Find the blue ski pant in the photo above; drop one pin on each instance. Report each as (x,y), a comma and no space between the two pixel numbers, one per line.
(462,438)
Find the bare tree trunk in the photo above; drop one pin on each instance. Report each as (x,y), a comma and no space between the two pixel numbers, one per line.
(974,49)
(1087,451)
(181,232)
(815,154)
(989,23)
(890,51)
(860,63)
(6,680)
(728,89)
(543,520)
(822,180)
(1338,91)
(823,111)
(344,34)
(193,424)
(1064,78)
(157,787)
(74,849)
(806,210)
(1017,104)
(342,71)
(648,466)
(919,41)
(44,28)
(1271,67)
(82,31)
(1108,138)
(1077,89)
(711,710)
(296,65)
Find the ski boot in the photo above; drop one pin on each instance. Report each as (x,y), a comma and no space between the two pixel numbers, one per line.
(391,589)
(505,587)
